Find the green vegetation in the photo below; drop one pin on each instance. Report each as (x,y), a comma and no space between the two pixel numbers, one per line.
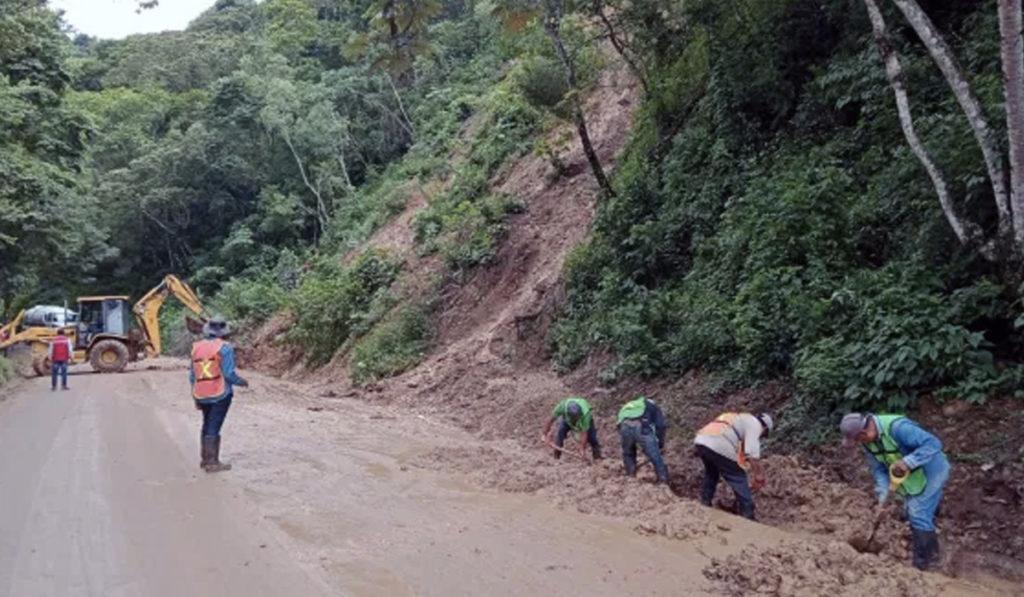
(334,303)
(395,345)
(768,220)
(7,371)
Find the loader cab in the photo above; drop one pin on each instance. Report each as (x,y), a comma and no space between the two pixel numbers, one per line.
(102,315)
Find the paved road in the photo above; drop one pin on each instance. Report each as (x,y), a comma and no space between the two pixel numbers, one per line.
(100,495)
(100,498)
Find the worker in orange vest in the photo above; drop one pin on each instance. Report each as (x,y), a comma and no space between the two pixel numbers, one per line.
(730,448)
(213,378)
(61,351)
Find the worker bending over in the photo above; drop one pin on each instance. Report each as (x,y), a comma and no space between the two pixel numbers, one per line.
(729,447)
(213,378)
(905,458)
(641,422)
(575,415)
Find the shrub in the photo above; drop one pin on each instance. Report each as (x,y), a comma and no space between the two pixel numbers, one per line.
(7,371)
(902,336)
(541,80)
(393,346)
(334,303)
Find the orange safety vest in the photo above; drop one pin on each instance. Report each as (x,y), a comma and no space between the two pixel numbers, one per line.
(206,369)
(719,426)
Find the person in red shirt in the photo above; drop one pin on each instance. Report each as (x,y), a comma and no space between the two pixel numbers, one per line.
(61,351)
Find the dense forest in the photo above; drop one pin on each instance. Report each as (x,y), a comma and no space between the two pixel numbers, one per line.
(770,219)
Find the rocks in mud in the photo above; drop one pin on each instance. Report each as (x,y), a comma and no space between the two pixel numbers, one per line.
(814,568)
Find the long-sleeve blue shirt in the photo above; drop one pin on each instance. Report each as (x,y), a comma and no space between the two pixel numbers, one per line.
(227,370)
(918,447)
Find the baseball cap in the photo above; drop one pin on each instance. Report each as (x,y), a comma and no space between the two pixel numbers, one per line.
(851,426)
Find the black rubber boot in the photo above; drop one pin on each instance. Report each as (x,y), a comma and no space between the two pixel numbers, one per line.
(926,549)
(214,465)
(596,451)
(205,446)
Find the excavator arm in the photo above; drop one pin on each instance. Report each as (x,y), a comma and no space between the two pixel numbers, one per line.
(147,309)
(9,331)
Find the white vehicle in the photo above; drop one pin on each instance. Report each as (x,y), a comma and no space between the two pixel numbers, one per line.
(50,316)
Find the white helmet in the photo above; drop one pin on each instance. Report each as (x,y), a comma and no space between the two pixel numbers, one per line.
(766,420)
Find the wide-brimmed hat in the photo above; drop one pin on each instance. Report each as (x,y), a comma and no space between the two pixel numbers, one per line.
(217,327)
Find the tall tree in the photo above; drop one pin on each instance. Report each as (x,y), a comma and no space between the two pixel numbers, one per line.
(1007,244)
(552,14)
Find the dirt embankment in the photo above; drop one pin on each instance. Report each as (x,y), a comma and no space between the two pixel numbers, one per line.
(490,374)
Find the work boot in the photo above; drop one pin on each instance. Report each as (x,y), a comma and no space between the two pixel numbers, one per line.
(596,451)
(215,465)
(205,451)
(925,545)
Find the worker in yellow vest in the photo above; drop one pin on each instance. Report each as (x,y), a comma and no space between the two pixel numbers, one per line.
(730,448)
(213,378)
(908,461)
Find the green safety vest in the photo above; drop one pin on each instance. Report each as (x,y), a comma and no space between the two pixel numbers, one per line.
(887,451)
(584,421)
(634,409)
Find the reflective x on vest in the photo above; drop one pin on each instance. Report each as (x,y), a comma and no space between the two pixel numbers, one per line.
(722,424)
(887,451)
(206,369)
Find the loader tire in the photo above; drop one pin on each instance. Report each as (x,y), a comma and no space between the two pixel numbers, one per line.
(109,356)
(41,366)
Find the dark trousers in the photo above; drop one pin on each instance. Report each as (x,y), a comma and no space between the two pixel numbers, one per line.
(564,429)
(716,467)
(214,415)
(59,368)
(634,433)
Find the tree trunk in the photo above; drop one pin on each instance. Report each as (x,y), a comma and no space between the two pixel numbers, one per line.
(321,210)
(552,25)
(401,106)
(968,100)
(894,71)
(1013,83)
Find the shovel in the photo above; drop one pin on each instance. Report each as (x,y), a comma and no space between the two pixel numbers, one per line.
(895,481)
(569,452)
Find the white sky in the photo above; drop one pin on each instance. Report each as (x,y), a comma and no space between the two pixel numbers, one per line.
(114,19)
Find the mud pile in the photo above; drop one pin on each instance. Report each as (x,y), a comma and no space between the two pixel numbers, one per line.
(597,488)
(812,569)
(802,496)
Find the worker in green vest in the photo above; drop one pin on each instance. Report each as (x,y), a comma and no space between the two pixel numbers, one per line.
(642,423)
(907,460)
(575,415)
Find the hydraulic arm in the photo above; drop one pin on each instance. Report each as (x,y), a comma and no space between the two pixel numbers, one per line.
(147,309)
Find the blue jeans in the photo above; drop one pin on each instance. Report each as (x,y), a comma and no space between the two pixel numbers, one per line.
(214,414)
(633,433)
(59,368)
(717,466)
(564,429)
(921,507)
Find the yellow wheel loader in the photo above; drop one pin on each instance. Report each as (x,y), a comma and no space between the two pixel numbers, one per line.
(104,335)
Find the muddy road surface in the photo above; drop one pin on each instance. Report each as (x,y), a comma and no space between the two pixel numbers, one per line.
(100,494)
